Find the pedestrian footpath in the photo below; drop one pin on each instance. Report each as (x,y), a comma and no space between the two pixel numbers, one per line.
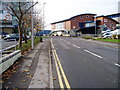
(33,70)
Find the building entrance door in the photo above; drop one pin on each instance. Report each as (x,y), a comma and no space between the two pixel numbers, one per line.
(81,25)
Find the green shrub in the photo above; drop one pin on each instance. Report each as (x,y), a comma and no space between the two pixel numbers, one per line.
(87,37)
(26,46)
(114,36)
(95,38)
(118,36)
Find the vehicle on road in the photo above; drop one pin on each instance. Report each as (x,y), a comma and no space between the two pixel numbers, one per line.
(12,37)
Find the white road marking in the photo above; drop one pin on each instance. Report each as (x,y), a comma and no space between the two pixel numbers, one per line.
(75,46)
(93,54)
(117,64)
(70,43)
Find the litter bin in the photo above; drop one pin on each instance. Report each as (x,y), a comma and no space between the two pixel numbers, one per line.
(41,39)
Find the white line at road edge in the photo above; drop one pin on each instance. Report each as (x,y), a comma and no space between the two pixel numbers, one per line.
(93,54)
(117,64)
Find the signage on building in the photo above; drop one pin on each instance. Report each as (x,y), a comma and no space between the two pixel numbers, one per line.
(7,15)
(105,20)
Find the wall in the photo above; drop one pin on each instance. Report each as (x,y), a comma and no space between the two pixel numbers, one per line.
(8,30)
(59,26)
(67,25)
(9,60)
(73,23)
(53,26)
(108,22)
(82,18)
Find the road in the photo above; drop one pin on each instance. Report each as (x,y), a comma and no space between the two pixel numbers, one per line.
(84,64)
(6,44)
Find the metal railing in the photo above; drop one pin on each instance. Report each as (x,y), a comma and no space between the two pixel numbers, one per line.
(11,46)
(8,48)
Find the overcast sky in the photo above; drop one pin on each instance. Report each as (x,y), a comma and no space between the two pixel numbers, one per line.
(56,10)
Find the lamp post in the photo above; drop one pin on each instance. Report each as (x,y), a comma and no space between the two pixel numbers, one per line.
(43,15)
(95,26)
(32,37)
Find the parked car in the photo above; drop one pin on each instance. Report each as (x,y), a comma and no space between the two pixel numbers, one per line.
(3,34)
(116,32)
(107,35)
(12,37)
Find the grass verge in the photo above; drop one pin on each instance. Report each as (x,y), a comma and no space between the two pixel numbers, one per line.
(27,46)
(102,39)
(109,40)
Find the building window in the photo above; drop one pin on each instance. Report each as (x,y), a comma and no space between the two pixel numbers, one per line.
(1,11)
(87,16)
(81,17)
(73,27)
(105,24)
(74,19)
(111,25)
(105,20)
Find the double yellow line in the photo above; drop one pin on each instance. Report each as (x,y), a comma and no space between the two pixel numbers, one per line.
(59,68)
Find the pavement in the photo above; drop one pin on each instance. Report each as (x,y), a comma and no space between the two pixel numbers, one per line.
(32,70)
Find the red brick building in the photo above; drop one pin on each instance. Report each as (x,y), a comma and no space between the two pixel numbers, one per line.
(85,23)
(73,23)
(108,22)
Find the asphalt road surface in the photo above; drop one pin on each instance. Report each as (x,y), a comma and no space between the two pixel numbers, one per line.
(84,64)
(6,44)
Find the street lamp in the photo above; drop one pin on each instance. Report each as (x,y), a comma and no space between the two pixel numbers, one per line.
(95,26)
(43,14)
(32,37)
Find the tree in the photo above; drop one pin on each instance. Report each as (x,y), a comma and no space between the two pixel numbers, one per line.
(19,9)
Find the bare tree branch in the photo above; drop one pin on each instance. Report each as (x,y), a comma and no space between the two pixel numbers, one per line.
(20,8)
(24,4)
(30,8)
(14,12)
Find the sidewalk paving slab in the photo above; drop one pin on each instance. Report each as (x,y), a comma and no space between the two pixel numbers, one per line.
(34,69)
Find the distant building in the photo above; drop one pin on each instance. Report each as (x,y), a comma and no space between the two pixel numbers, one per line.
(73,23)
(5,18)
(115,17)
(85,24)
(43,33)
(107,22)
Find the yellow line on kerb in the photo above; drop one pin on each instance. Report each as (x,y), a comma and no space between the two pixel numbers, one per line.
(61,69)
(58,72)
